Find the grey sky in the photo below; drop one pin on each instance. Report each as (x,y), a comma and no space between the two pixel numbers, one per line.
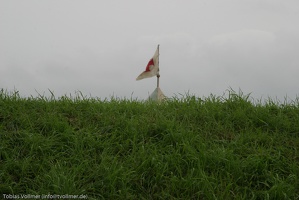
(100,47)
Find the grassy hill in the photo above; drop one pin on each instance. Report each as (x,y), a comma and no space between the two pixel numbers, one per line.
(189,148)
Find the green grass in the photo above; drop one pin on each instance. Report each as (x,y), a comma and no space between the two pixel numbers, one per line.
(188,148)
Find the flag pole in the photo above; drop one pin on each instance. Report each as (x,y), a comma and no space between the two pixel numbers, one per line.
(157,95)
(158,74)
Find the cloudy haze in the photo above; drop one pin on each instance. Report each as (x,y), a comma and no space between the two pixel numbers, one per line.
(100,47)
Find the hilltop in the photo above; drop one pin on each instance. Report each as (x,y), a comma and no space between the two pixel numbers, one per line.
(183,148)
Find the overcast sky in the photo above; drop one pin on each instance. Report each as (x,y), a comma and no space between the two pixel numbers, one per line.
(100,47)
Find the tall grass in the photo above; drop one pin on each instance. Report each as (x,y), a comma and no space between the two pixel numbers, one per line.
(185,148)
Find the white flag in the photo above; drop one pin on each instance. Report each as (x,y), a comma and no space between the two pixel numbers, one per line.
(152,68)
